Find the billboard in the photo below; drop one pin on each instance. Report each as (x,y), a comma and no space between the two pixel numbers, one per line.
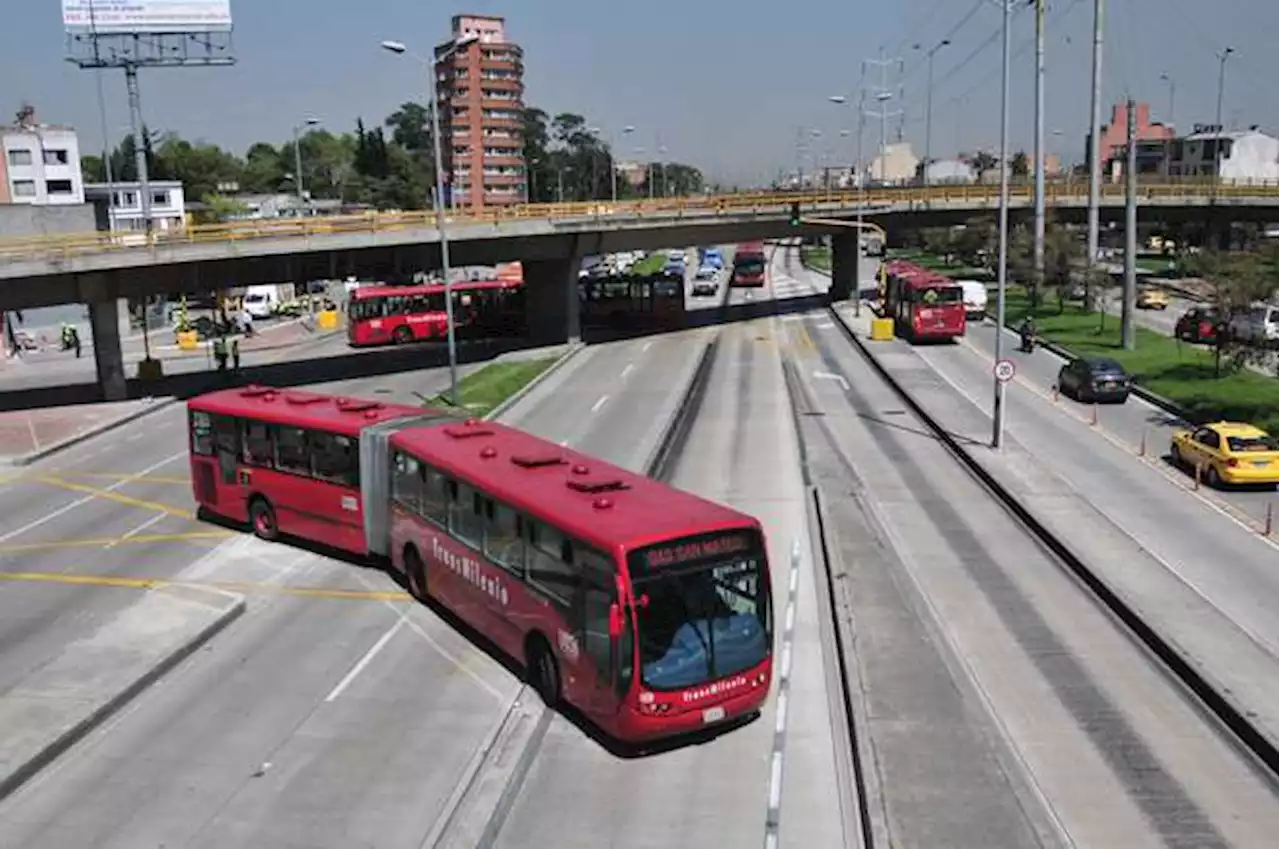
(150,16)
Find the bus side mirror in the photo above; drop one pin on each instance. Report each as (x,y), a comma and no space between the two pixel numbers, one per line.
(615,621)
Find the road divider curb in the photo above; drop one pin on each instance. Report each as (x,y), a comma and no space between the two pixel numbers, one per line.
(1253,740)
(523,392)
(154,406)
(675,430)
(29,702)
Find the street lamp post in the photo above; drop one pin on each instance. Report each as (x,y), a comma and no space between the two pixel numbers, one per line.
(928,107)
(297,159)
(840,100)
(1168,144)
(613,164)
(1217,145)
(460,44)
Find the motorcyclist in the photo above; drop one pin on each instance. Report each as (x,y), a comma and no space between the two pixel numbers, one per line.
(1028,334)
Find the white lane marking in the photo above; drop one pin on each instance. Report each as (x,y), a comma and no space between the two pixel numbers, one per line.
(133,437)
(364,661)
(826,375)
(595,408)
(646,346)
(626,371)
(67,508)
(152,521)
(774,813)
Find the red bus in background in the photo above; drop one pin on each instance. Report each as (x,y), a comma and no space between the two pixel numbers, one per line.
(646,607)
(924,305)
(398,315)
(749,265)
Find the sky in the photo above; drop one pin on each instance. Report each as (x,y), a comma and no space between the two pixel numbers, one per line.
(726,86)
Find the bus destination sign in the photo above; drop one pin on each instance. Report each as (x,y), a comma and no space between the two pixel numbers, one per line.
(665,556)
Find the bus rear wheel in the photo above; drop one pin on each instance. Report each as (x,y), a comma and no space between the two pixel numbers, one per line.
(263,519)
(415,573)
(402,336)
(542,671)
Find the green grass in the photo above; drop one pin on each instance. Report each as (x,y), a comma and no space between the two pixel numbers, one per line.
(815,256)
(651,264)
(1181,372)
(936,263)
(481,391)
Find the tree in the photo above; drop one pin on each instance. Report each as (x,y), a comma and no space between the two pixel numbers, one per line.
(264,169)
(982,162)
(1240,280)
(411,126)
(536,138)
(1020,165)
(975,242)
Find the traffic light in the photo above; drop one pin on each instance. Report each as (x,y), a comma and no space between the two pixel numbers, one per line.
(795,213)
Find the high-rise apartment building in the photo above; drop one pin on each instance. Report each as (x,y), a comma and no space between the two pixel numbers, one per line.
(481,89)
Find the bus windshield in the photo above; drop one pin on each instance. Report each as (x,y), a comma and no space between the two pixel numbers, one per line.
(704,619)
(931,295)
(752,266)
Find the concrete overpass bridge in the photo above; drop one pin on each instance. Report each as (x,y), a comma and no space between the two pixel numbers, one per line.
(550,239)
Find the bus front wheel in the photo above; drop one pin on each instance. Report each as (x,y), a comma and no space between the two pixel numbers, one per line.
(402,336)
(542,670)
(263,519)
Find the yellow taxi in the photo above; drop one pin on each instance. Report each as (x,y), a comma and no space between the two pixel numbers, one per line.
(1151,298)
(1227,453)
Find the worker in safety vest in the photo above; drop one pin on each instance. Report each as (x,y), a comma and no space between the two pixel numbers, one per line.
(220,352)
(235,355)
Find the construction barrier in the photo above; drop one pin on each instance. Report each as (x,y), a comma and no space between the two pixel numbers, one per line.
(188,340)
(881,329)
(327,320)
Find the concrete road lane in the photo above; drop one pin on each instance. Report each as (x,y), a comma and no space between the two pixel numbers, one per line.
(1114,749)
(742,452)
(310,725)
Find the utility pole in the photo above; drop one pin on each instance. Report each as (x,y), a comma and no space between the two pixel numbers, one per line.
(1038,263)
(1095,134)
(139,146)
(928,109)
(1129,305)
(883,95)
(997,405)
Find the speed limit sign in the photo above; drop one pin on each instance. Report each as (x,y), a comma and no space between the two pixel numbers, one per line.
(1004,370)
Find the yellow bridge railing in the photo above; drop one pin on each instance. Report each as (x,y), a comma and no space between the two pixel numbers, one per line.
(65,246)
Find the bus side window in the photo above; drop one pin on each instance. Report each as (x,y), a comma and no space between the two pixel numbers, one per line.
(335,458)
(549,558)
(292,454)
(202,442)
(406,482)
(257,444)
(465,520)
(502,542)
(435,496)
(598,591)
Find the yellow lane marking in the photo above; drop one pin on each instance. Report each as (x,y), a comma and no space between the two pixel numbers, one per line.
(136,539)
(234,586)
(1151,459)
(116,496)
(116,476)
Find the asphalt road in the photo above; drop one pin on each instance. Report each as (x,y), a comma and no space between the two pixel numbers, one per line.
(308,722)
(1080,739)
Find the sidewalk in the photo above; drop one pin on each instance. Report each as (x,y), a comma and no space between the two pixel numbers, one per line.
(28,435)
(1203,579)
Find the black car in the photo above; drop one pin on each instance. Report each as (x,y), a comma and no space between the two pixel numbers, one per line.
(1095,379)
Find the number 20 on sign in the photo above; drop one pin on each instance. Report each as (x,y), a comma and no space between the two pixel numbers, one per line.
(1004,370)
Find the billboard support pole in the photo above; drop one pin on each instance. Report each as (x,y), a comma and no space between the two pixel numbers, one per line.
(139,146)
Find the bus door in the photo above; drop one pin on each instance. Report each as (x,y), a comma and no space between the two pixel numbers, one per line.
(606,666)
(215,449)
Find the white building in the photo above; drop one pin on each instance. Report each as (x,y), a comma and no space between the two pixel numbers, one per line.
(40,163)
(124,211)
(942,172)
(1247,155)
(895,165)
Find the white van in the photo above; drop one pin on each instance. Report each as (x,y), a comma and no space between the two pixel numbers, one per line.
(1259,325)
(975,299)
(261,301)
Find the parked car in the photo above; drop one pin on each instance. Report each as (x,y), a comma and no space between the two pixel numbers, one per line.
(1095,379)
(1198,324)
(1260,325)
(1227,453)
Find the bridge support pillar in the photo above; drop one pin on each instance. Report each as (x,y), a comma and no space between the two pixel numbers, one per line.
(104,322)
(551,300)
(844,266)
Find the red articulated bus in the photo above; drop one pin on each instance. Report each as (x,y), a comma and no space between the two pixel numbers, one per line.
(749,266)
(645,607)
(398,315)
(629,302)
(924,305)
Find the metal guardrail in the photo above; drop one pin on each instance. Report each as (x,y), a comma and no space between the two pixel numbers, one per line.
(65,246)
